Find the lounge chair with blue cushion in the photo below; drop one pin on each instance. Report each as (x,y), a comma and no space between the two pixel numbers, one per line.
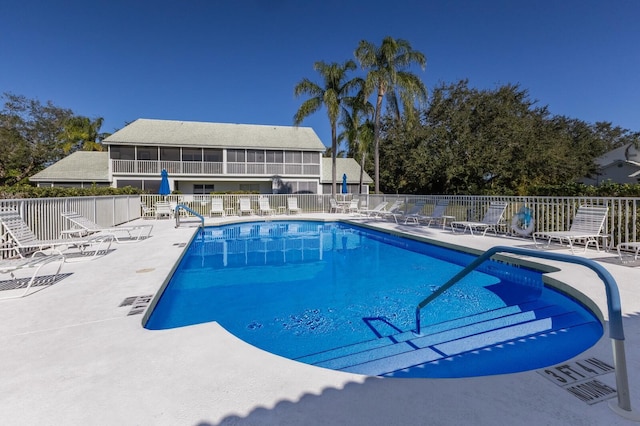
(492,219)
(82,226)
(586,227)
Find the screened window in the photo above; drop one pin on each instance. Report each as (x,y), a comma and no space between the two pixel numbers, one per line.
(274,157)
(213,155)
(250,187)
(119,152)
(311,157)
(255,156)
(292,157)
(235,156)
(147,153)
(191,154)
(170,154)
(202,189)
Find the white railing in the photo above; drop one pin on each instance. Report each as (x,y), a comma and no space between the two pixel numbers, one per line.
(154,167)
(550,213)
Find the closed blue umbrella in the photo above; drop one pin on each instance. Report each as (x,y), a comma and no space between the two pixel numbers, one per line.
(164,184)
(345,190)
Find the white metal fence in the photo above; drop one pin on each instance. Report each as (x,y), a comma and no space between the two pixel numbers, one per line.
(550,213)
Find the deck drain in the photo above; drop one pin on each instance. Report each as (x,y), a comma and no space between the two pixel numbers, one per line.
(180,244)
(140,271)
(138,303)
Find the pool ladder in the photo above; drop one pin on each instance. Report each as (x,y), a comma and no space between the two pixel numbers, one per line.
(616,331)
(176,213)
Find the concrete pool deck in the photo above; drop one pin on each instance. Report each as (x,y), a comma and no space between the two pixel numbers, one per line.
(71,354)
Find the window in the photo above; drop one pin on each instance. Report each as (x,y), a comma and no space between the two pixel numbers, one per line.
(311,157)
(170,154)
(250,187)
(147,153)
(274,157)
(213,155)
(119,152)
(191,154)
(255,156)
(292,157)
(235,155)
(202,189)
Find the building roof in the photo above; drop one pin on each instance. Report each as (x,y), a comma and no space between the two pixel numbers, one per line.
(348,166)
(219,135)
(80,166)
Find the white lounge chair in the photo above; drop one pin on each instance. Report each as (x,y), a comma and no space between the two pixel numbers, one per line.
(587,226)
(83,226)
(163,209)
(414,213)
(217,207)
(20,239)
(292,205)
(264,208)
(36,262)
(376,210)
(491,220)
(393,211)
(631,246)
(438,214)
(245,206)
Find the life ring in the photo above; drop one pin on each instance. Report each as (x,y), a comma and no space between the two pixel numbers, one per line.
(522,223)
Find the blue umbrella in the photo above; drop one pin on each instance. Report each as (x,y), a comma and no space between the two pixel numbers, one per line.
(345,190)
(164,184)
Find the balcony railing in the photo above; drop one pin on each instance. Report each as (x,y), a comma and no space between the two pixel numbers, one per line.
(154,167)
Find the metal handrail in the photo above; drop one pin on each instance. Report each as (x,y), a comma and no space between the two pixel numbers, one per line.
(183,207)
(616,331)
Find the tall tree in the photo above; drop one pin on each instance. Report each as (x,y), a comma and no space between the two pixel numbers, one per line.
(29,136)
(335,88)
(357,129)
(82,133)
(388,75)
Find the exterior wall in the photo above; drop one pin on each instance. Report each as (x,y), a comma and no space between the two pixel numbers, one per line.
(617,172)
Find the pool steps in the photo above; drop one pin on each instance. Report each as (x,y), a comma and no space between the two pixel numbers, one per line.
(403,350)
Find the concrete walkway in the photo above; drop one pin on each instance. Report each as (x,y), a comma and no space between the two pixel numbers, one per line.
(72,355)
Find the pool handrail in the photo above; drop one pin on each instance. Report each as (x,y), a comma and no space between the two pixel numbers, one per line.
(616,331)
(183,207)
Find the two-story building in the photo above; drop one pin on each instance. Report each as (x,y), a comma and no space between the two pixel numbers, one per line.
(202,158)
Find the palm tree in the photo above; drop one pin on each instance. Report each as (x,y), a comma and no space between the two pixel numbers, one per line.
(387,75)
(82,133)
(332,94)
(358,133)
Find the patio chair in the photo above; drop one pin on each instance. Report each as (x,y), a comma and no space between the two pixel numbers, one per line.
(292,205)
(36,262)
(438,214)
(147,212)
(83,226)
(354,206)
(491,220)
(245,206)
(163,209)
(632,246)
(19,238)
(217,207)
(264,207)
(334,207)
(587,226)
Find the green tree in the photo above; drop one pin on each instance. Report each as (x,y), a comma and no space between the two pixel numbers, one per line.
(82,133)
(388,75)
(357,129)
(29,137)
(335,88)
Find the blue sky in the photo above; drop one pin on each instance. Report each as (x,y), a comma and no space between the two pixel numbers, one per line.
(238,61)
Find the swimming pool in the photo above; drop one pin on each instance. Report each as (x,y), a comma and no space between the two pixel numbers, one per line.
(343,297)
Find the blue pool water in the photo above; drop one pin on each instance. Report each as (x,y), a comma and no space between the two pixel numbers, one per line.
(344,297)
